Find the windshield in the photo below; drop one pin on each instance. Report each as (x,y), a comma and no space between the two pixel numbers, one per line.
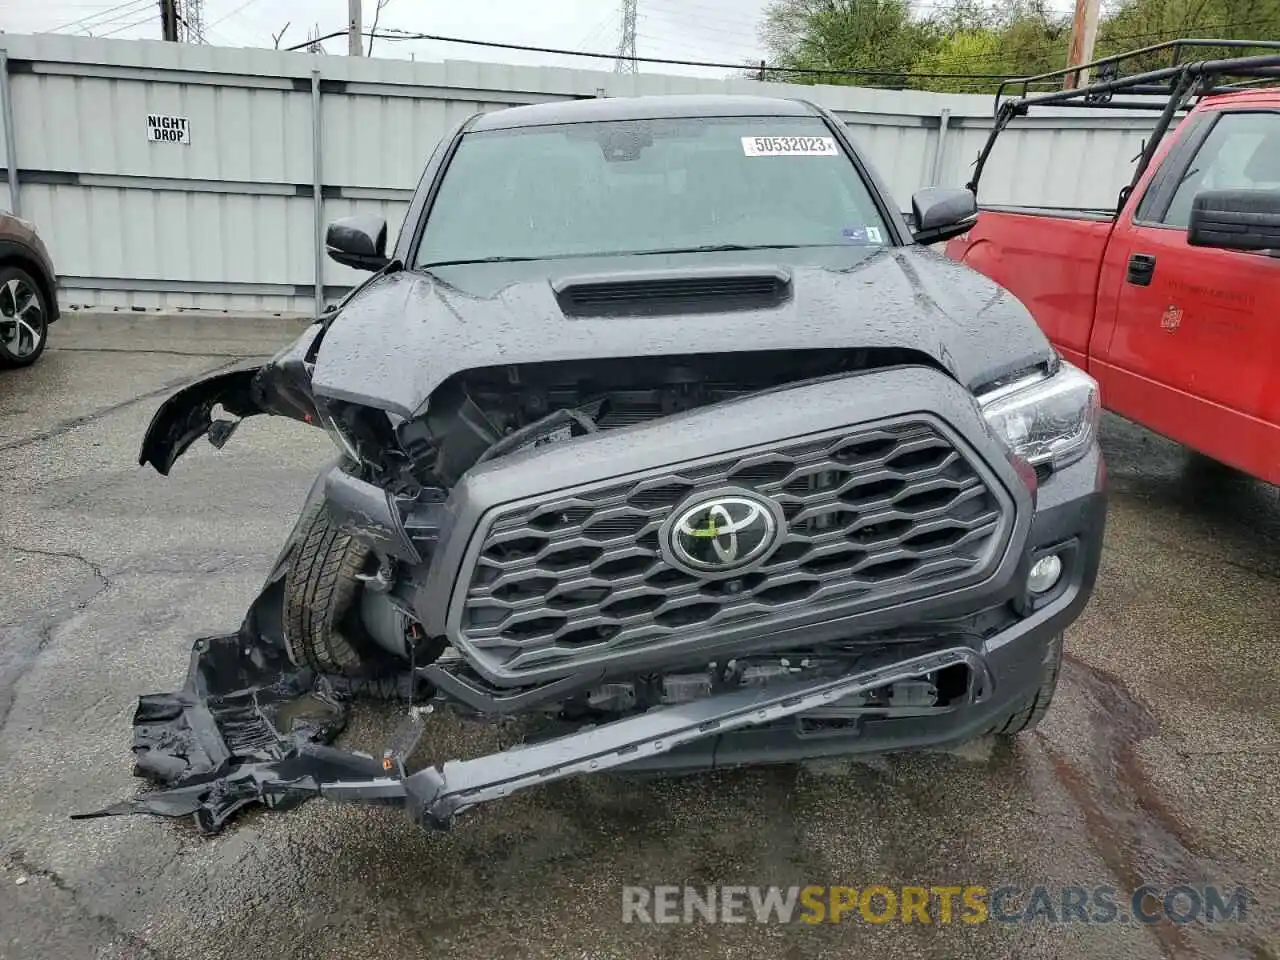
(635,186)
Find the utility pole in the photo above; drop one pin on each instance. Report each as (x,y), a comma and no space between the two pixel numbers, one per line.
(169,20)
(1084,31)
(626,62)
(355,24)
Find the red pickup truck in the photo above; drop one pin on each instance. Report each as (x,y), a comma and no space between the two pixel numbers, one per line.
(1172,302)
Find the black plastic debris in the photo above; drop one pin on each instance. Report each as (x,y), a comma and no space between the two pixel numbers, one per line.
(241,710)
(247,727)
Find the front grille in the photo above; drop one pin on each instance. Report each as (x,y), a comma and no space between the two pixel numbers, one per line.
(871,514)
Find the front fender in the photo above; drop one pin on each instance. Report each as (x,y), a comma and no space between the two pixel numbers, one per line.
(282,387)
(188,415)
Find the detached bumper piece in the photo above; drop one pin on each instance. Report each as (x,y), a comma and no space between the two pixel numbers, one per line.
(246,731)
(243,720)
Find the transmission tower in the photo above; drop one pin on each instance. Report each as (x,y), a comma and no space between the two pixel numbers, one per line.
(193,16)
(626,62)
(313,40)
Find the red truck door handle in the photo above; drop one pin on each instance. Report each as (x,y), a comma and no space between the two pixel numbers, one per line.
(1142,267)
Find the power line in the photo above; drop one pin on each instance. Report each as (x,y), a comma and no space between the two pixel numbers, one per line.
(128,26)
(227,16)
(691,21)
(377,14)
(699,47)
(593,36)
(885,72)
(681,6)
(667,34)
(120,11)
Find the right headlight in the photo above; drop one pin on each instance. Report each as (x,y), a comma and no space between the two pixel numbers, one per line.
(1051,421)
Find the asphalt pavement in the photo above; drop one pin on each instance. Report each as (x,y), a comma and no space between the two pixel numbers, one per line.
(1158,764)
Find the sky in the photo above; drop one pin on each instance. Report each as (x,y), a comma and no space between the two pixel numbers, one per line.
(714,30)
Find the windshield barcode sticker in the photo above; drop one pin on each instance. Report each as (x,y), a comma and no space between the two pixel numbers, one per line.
(789,146)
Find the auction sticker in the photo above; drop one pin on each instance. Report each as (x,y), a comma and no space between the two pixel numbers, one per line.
(789,146)
(862,235)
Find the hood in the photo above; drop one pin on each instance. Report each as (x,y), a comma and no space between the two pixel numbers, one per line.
(398,339)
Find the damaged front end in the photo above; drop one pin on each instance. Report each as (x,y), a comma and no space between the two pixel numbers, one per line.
(681,562)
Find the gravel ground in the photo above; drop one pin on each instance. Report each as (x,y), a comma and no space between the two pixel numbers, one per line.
(1157,764)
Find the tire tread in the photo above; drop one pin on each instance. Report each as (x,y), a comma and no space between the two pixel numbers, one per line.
(319,588)
(1029,714)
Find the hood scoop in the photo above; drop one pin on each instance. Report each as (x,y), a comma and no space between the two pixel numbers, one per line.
(650,293)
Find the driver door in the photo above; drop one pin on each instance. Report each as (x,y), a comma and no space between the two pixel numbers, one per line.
(1195,348)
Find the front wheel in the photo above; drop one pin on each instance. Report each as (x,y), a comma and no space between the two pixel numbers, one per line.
(24,318)
(320,592)
(1028,714)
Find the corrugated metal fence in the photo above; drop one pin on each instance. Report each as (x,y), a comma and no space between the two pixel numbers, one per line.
(280,143)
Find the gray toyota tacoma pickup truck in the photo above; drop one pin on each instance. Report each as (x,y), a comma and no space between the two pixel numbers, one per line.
(661,423)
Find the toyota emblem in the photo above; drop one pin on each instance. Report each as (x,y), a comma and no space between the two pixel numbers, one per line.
(719,534)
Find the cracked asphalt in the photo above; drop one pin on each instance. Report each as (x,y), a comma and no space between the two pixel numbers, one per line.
(1157,764)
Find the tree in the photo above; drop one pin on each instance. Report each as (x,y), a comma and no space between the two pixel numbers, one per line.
(1143,23)
(972,37)
(879,36)
(965,51)
(1015,39)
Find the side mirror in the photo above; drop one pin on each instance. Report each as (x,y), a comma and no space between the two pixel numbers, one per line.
(940,213)
(359,242)
(1235,220)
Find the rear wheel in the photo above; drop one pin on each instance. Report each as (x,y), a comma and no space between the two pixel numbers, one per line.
(321,589)
(1028,714)
(24,318)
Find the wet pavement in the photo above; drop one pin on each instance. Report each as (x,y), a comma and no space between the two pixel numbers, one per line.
(1158,764)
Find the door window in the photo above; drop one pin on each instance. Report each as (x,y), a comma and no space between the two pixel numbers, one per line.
(1241,152)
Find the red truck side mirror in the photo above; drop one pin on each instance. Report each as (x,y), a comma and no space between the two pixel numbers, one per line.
(1235,220)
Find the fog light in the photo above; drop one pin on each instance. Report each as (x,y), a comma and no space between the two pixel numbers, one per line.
(1044,574)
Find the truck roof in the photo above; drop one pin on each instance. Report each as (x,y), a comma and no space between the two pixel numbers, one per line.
(1266,96)
(642,108)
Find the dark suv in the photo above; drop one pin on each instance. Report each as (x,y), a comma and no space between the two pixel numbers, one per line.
(657,421)
(28,301)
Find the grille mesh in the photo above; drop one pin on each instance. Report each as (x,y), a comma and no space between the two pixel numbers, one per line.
(870,514)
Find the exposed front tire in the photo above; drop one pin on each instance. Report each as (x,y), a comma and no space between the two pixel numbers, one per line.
(24,318)
(1028,714)
(320,590)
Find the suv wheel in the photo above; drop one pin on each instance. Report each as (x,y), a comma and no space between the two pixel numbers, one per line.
(24,317)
